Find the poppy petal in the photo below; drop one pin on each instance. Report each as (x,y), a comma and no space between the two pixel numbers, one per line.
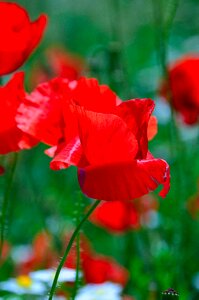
(107,270)
(37,31)
(92,96)
(67,155)
(12,138)
(40,114)
(124,181)
(105,138)
(19,37)
(152,128)
(136,114)
(125,216)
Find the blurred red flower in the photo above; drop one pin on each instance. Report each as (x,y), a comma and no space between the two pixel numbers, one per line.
(193,205)
(12,138)
(5,252)
(104,137)
(19,36)
(57,62)
(107,268)
(42,256)
(183,82)
(2,170)
(127,215)
(99,269)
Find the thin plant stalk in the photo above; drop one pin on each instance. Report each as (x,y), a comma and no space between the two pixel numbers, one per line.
(163,29)
(177,148)
(77,266)
(73,237)
(77,249)
(5,201)
(117,65)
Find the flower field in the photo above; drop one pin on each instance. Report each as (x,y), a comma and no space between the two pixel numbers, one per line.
(99,150)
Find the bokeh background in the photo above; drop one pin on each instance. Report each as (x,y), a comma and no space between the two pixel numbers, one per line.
(117,42)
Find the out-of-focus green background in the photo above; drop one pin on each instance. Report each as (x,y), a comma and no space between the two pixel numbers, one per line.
(159,257)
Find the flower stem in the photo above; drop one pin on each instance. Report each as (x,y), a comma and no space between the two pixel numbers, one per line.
(75,233)
(163,28)
(77,266)
(6,197)
(117,69)
(77,249)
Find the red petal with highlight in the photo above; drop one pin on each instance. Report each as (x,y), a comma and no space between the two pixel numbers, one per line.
(12,138)
(41,113)
(67,155)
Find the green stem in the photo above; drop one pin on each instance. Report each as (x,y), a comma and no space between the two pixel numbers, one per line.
(77,249)
(163,30)
(118,77)
(176,144)
(6,200)
(74,235)
(77,266)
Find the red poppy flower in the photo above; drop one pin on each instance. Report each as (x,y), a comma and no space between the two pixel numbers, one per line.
(42,255)
(5,252)
(64,64)
(12,138)
(113,146)
(116,148)
(105,138)
(42,115)
(127,215)
(85,251)
(57,63)
(107,270)
(19,36)
(183,77)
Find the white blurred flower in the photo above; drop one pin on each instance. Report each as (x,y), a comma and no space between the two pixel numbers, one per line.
(104,291)
(23,285)
(47,276)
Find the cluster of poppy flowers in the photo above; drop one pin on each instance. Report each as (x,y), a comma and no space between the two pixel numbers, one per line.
(38,261)
(85,124)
